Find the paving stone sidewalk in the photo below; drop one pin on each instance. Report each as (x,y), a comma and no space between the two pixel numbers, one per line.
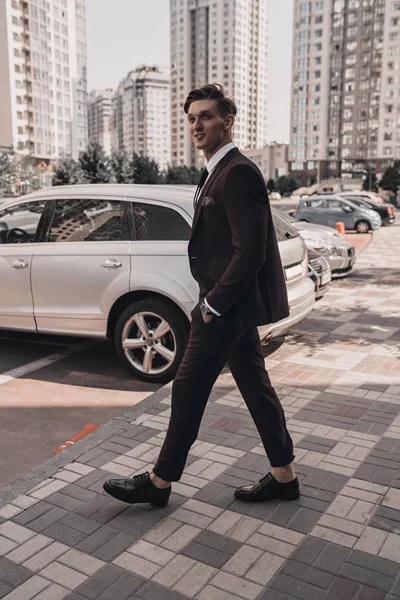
(338,375)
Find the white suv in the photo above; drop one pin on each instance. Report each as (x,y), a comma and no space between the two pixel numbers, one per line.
(111,261)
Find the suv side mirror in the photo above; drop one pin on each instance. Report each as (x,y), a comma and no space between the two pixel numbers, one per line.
(346,208)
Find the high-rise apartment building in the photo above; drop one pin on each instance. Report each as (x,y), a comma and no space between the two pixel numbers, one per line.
(99,117)
(141,118)
(226,42)
(43,77)
(346,86)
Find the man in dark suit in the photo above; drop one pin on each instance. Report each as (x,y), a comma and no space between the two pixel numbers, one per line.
(234,257)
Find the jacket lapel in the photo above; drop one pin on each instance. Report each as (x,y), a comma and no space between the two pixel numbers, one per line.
(222,163)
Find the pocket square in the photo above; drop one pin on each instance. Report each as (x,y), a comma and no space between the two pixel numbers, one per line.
(208,201)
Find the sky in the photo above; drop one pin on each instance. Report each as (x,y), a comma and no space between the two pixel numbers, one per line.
(124,34)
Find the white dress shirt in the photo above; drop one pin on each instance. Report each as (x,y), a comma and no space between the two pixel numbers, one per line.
(210,166)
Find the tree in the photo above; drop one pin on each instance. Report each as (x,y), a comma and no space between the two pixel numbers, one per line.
(271,185)
(183,175)
(391,178)
(67,172)
(195,175)
(287,184)
(145,170)
(121,166)
(7,172)
(94,164)
(370,183)
(28,174)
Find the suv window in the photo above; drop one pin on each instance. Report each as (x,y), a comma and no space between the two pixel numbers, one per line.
(158,223)
(88,220)
(19,224)
(283,228)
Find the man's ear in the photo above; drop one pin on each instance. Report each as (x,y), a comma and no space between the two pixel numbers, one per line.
(229,121)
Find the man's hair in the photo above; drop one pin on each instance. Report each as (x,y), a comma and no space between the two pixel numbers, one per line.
(212,91)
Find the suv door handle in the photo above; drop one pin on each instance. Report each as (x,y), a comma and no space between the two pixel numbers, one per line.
(19,264)
(111,263)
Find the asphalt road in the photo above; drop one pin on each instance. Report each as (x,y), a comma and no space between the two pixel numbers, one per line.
(50,388)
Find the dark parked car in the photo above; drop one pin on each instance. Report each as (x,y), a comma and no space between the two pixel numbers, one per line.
(320,272)
(385,211)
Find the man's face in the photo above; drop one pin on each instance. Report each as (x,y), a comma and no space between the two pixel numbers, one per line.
(207,127)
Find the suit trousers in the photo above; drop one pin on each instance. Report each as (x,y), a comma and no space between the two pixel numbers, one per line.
(210,347)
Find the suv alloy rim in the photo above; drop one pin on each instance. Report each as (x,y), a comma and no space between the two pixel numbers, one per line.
(149,343)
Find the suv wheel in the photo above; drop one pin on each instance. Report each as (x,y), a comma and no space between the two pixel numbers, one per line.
(150,339)
(363,227)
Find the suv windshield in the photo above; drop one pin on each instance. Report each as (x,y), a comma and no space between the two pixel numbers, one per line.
(283,228)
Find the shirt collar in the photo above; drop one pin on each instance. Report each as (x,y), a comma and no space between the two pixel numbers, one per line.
(214,160)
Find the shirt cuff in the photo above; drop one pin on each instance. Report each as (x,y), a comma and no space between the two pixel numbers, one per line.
(211,308)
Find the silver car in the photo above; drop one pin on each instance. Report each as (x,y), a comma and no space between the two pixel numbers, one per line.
(339,252)
(110,261)
(330,209)
(320,273)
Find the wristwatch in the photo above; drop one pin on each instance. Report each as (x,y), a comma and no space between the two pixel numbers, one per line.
(204,309)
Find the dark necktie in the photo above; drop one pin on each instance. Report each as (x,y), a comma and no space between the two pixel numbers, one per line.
(203,178)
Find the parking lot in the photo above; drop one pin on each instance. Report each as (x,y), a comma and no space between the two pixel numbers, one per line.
(50,388)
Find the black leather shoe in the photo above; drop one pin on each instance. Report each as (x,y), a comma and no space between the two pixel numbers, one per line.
(138,489)
(268,488)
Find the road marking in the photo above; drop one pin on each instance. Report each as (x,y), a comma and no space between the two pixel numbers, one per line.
(42,362)
(85,431)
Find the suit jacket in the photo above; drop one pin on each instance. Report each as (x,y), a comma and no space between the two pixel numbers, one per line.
(233,250)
